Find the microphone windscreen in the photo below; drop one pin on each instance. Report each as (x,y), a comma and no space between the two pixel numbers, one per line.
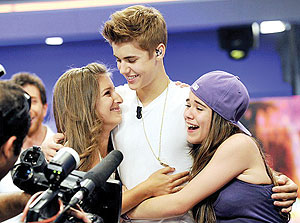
(102,171)
(63,152)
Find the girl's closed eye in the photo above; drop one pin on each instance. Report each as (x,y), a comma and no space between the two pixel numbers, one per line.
(107,93)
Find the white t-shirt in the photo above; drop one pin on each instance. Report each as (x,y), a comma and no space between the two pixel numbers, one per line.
(7,185)
(129,137)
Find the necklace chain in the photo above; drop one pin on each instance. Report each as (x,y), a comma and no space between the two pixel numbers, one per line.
(160,133)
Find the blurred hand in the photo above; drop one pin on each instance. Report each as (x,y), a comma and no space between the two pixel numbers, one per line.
(162,182)
(51,146)
(285,193)
(179,83)
(79,214)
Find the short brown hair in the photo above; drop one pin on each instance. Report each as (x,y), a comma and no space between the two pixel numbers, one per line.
(143,24)
(26,78)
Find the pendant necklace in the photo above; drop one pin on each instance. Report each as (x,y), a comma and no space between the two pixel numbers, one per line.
(160,133)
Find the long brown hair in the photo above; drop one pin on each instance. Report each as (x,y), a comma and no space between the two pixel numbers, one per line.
(220,130)
(74,107)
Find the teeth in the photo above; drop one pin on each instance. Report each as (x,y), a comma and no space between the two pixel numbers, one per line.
(192,126)
(131,77)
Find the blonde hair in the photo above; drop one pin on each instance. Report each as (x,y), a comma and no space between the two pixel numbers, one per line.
(145,25)
(74,107)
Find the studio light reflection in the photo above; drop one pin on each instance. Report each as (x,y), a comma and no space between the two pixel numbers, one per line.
(54,41)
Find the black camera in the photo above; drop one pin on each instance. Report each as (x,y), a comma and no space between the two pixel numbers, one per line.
(100,197)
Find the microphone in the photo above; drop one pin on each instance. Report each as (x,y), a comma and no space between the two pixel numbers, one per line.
(97,176)
(2,70)
(63,163)
(139,112)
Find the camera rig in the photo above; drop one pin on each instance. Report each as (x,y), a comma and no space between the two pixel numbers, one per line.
(33,174)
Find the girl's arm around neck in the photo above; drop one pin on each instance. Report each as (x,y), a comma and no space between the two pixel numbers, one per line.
(232,158)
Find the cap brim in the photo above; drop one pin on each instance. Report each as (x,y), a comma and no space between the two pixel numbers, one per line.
(243,128)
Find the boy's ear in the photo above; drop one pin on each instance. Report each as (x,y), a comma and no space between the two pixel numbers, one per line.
(160,51)
(8,147)
(44,109)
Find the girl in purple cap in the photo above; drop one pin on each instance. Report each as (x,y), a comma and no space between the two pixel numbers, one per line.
(231,181)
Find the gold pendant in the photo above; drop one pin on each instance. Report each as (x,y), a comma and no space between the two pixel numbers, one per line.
(162,163)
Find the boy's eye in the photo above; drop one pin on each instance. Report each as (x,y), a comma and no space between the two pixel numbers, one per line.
(187,105)
(131,60)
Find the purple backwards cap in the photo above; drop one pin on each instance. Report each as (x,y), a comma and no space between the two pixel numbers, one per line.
(225,94)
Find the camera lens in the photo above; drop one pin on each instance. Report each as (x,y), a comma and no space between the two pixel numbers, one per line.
(23,172)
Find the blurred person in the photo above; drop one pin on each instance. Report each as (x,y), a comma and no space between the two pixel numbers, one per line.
(15,123)
(272,123)
(34,86)
(232,181)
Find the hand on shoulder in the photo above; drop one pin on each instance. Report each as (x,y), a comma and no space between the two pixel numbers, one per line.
(181,84)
